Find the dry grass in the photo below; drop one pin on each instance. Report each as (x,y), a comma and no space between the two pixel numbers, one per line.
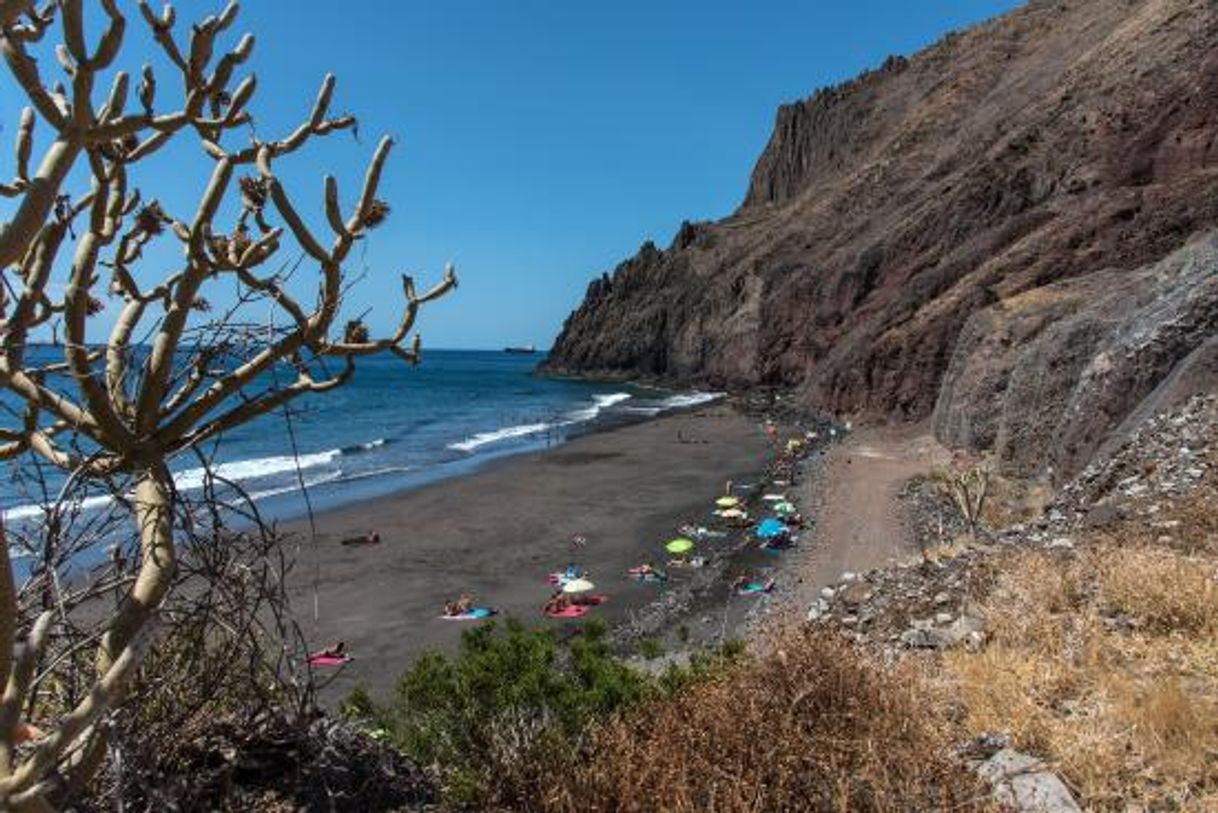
(1106,663)
(1015,501)
(814,725)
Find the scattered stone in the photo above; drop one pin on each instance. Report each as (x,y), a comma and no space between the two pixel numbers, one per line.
(1061,543)
(857,593)
(1024,783)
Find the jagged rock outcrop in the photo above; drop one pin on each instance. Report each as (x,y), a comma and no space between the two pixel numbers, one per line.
(1066,142)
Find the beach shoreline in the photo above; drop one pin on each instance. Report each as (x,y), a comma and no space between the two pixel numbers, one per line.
(498,531)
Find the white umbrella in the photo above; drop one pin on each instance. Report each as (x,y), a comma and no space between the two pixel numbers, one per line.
(578,586)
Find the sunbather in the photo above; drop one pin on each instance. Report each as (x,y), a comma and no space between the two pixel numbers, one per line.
(370,538)
(646,572)
(335,655)
(339,650)
(557,602)
(462,605)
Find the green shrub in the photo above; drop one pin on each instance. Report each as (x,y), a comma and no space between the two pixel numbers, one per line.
(511,700)
(650,648)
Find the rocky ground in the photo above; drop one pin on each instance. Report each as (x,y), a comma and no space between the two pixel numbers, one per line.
(928,603)
(924,601)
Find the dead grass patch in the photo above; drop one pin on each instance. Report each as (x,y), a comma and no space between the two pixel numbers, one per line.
(1014,500)
(813,725)
(1106,663)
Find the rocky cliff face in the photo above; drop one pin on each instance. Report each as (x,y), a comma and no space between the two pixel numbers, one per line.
(1062,149)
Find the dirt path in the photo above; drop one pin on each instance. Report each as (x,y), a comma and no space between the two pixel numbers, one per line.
(860,520)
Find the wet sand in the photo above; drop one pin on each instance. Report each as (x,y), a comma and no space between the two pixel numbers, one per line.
(498,532)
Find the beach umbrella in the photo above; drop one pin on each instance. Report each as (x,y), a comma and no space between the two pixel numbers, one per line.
(769,528)
(785,507)
(578,586)
(727,502)
(679,545)
(730,513)
(774,497)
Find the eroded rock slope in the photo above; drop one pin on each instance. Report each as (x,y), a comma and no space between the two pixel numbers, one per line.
(952,231)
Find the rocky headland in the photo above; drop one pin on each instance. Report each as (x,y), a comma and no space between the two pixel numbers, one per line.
(1008,232)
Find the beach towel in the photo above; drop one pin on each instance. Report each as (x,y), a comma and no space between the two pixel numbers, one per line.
(561,577)
(574,611)
(326,659)
(778,544)
(472,615)
(755,588)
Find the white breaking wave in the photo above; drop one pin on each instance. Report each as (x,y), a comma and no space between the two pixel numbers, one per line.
(483,438)
(242,470)
(690,399)
(192,479)
(330,477)
(599,403)
(33,511)
(583,415)
(612,398)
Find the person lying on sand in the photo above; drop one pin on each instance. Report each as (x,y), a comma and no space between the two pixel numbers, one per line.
(697,561)
(743,585)
(338,650)
(646,570)
(370,538)
(335,655)
(557,602)
(462,605)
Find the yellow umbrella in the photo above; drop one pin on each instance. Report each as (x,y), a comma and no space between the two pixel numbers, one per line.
(727,502)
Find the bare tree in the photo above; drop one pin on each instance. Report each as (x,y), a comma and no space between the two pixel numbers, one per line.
(163,382)
(967,483)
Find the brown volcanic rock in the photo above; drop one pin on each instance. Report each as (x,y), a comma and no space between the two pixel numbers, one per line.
(1048,377)
(1061,140)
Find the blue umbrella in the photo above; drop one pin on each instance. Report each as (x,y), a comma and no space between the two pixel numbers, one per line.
(769,528)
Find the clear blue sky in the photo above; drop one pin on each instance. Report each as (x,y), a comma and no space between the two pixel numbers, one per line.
(541,141)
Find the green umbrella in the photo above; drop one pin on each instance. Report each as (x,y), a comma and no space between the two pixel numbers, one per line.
(679,545)
(785,508)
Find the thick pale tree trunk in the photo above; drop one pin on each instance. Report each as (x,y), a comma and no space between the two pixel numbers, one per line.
(154,496)
(158,561)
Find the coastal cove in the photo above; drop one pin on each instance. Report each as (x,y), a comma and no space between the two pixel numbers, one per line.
(497,533)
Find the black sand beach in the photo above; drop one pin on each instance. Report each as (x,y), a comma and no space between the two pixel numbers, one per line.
(498,532)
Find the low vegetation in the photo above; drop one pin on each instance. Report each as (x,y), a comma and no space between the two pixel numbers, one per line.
(1105,662)
(813,724)
(518,721)
(508,709)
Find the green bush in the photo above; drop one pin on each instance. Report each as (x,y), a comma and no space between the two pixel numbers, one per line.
(510,700)
(650,648)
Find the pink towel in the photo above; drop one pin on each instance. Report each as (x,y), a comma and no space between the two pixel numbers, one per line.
(574,611)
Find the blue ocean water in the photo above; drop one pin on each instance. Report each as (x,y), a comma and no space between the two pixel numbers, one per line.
(394,427)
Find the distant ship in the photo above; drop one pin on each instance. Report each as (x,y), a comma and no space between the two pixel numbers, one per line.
(523,348)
